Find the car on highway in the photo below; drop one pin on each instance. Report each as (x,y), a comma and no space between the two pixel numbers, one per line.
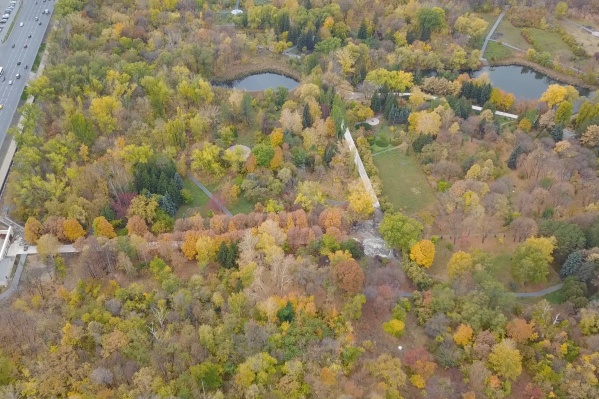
(18,76)
(1,106)
(25,46)
(18,63)
(37,18)
(29,36)
(10,82)
(21,24)
(3,20)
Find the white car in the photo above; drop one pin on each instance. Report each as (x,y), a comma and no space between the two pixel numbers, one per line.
(10,82)
(21,24)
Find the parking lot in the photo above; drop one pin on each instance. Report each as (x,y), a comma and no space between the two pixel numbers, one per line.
(8,12)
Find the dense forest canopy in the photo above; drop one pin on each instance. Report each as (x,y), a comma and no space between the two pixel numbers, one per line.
(227,246)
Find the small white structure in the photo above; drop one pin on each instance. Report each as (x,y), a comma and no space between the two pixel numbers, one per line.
(5,264)
(236,11)
(595,33)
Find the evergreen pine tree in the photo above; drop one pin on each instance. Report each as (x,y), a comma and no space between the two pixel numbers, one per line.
(572,264)
(376,102)
(557,133)
(166,204)
(513,159)
(363,31)
(232,255)
(306,117)
(222,254)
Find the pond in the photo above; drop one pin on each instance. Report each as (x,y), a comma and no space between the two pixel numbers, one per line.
(523,82)
(260,81)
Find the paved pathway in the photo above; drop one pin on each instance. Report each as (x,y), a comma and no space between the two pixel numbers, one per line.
(209,194)
(495,25)
(539,293)
(14,285)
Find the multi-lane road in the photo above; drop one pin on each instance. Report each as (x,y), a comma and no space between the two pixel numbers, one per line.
(10,56)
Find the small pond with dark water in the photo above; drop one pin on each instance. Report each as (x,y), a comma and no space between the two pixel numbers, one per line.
(259,82)
(523,82)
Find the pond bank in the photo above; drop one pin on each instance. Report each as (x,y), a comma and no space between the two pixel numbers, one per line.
(567,79)
(268,64)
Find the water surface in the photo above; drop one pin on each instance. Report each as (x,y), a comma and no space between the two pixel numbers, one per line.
(261,81)
(523,82)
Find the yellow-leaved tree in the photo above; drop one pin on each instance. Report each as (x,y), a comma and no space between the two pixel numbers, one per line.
(72,229)
(360,201)
(423,253)
(461,262)
(103,228)
(463,335)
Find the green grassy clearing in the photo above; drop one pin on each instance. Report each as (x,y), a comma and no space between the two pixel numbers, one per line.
(549,41)
(556,297)
(490,18)
(508,33)
(496,51)
(199,198)
(242,206)
(438,269)
(404,183)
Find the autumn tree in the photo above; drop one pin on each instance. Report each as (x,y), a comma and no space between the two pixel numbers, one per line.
(463,335)
(556,94)
(506,360)
(397,81)
(400,231)
(137,225)
(72,229)
(103,228)
(423,253)
(460,263)
(425,122)
(519,330)
(349,276)
(47,246)
(530,263)
(33,230)
(360,201)
(590,137)
(190,238)
(144,207)
(471,25)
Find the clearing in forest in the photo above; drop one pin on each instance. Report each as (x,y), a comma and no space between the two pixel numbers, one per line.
(404,182)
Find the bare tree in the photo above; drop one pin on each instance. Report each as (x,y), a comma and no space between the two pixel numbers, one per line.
(523,228)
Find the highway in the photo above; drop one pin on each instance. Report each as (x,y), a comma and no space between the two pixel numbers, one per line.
(9,56)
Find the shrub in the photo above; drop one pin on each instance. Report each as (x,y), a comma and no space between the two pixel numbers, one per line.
(394,327)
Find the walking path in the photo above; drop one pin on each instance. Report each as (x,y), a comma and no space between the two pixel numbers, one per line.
(14,285)
(495,25)
(209,194)
(546,291)
(535,294)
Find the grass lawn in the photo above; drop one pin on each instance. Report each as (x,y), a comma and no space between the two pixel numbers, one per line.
(496,51)
(438,269)
(555,297)
(404,183)
(549,41)
(199,198)
(508,33)
(242,206)
(490,18)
